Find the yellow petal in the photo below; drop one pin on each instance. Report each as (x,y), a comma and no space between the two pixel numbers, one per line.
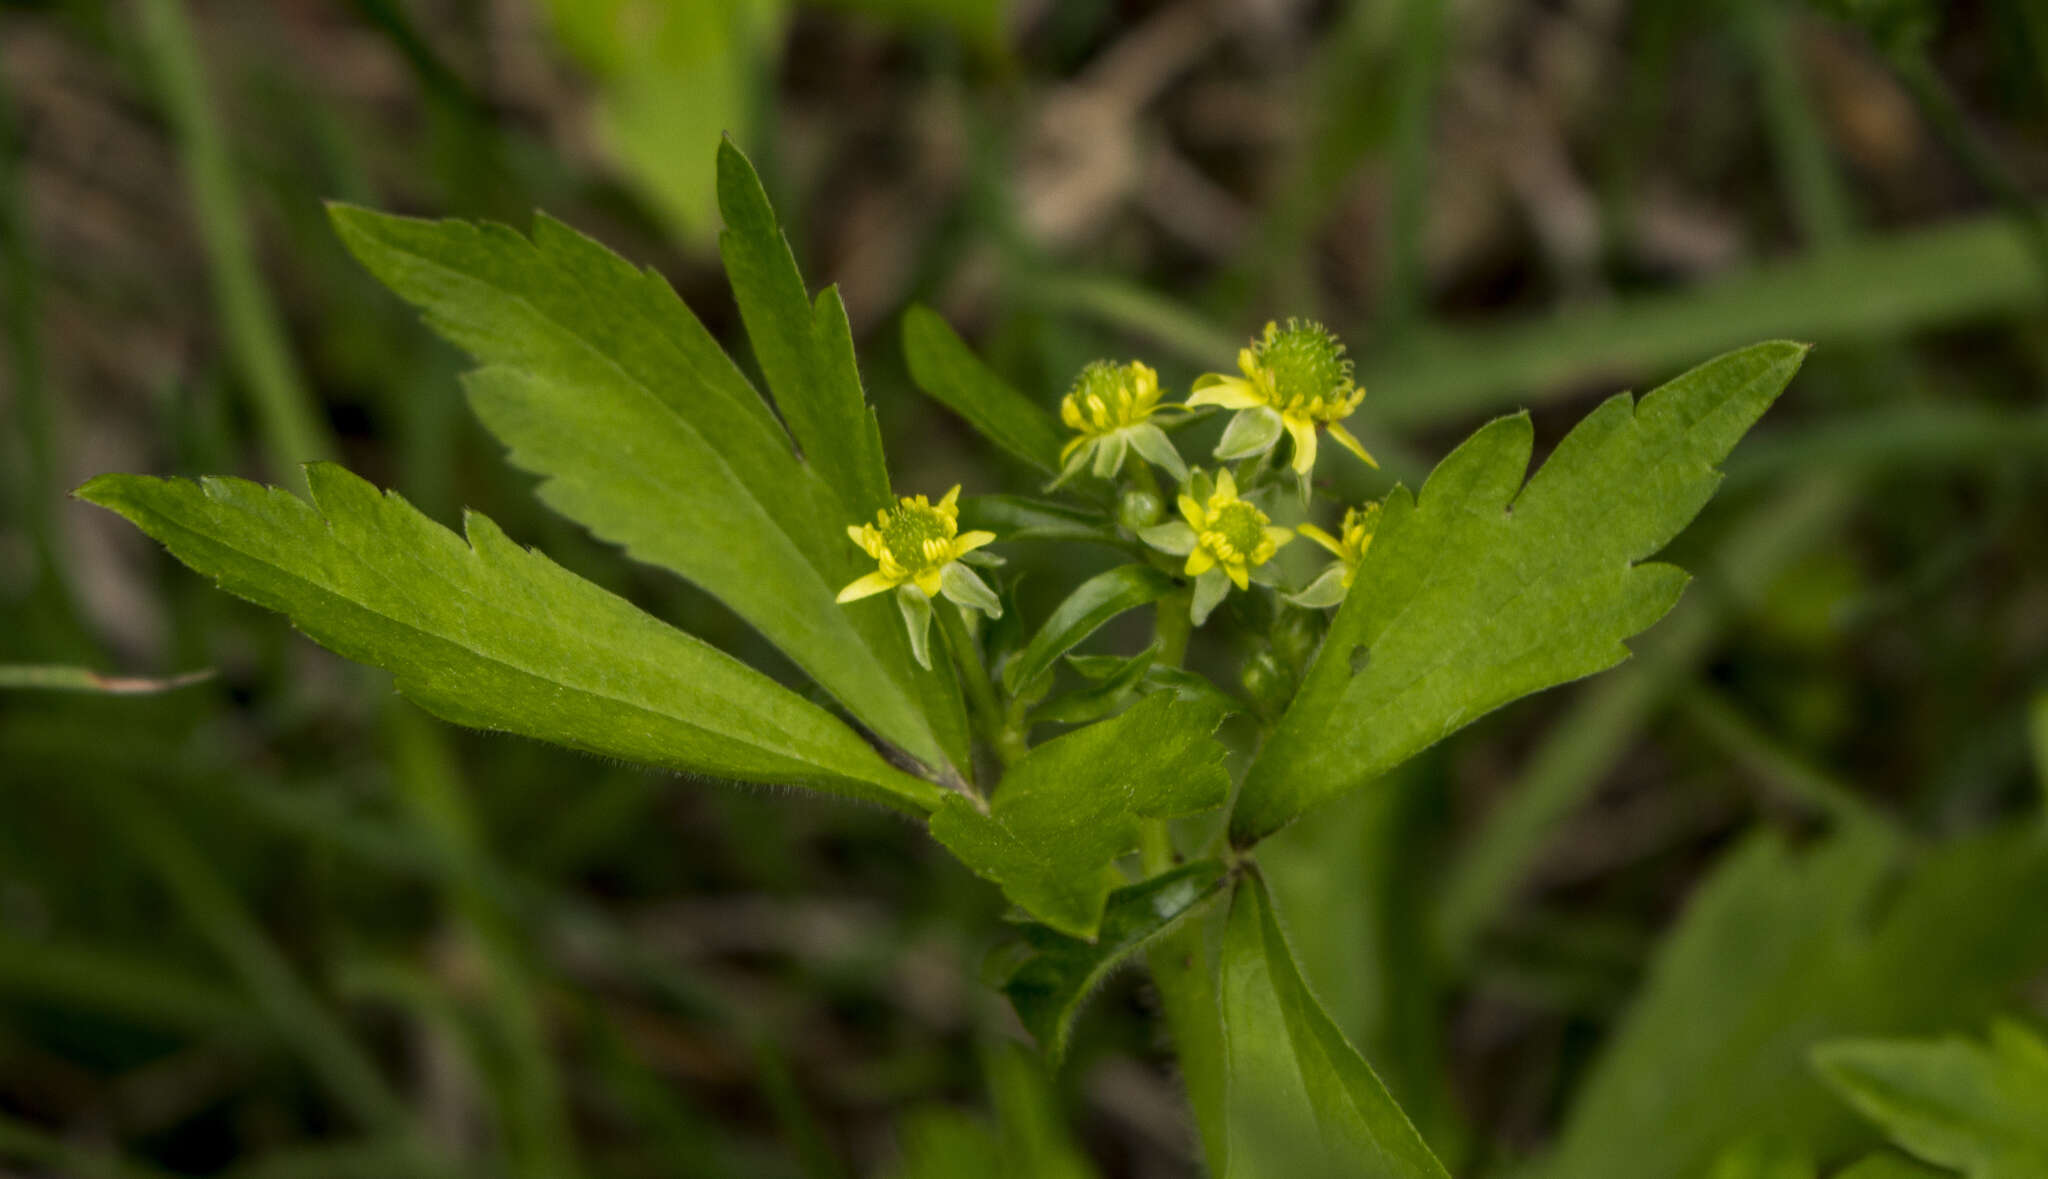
(1076,440)
(928,581)
(967,542)
(1238,576)
(1191,508)
(1226,484)
(873,583)
(1199,562)
(1304,434)
(1344,439)
(1228,392)
(1280,537)
(952,497)
(1322,538)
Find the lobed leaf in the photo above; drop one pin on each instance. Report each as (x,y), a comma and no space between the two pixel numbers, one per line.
(494,636)
(1071,806)
(950,373)
(1483,589)
(1980,1109)
(1300,1100)
(601,381)
(1049,987)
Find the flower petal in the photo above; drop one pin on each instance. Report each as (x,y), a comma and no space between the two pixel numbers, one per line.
(1304,434)
(1228,392)
(1192,509)
(1344,438)
(1226,484)
(967,542)
(1199,562)
(1322,538)
(873,583)
(1239,576)
(1281,537)
(928,581)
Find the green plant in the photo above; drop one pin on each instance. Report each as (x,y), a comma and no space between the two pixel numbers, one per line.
(1134,829)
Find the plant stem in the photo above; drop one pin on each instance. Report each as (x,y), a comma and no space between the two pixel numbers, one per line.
(1002,737)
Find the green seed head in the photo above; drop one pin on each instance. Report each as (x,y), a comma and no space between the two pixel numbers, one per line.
(1305,362)
(917,534)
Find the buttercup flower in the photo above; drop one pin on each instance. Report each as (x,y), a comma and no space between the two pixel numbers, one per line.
(918,548)
(1296,380)
(1110,410)
(1349,548)
(1227,540)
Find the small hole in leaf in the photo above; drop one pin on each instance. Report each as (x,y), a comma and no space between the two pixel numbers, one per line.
(1360,656)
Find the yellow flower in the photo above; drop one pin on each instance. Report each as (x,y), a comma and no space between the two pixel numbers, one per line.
(1296,380)
(1110,410)
(1226,540)
(918,549)
(1349,547)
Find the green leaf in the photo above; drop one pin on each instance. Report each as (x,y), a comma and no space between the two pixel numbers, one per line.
(599,379)
(1049,986)
(1758,1159)
(1980,1109)
(948,370)
(1482,589)
(1300,1099)
(805,351)
(1779,951)
(1094,602)
(1017,517)
(1889,1166)
(1071,806)
(494,636)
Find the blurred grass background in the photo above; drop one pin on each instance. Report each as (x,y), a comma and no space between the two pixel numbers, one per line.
(278,923)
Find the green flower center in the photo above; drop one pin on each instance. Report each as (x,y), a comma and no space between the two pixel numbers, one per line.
(919,538)
(1305,363)
(1104,397)
(1236,530)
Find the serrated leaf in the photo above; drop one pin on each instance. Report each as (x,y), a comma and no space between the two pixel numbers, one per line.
(1071,806)
(599,379)
(1050,986)
(949,372)
(1482,589)
(495,636)
(1778,951)
(1093,602)
(805,350)
(1981,1109)
(1300,1100)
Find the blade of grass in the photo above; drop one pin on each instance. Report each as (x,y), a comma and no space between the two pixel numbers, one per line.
(293,430)
(121,983)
